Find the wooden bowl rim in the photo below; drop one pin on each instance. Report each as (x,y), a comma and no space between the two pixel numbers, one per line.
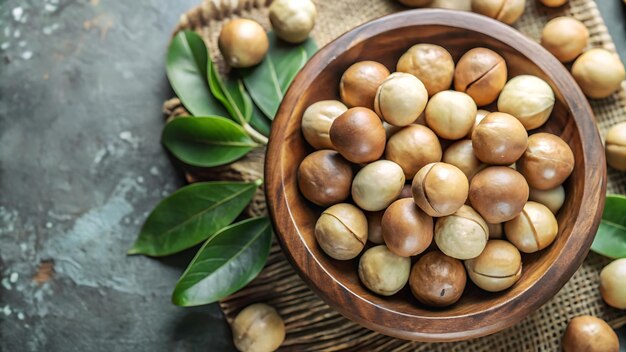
(502,315)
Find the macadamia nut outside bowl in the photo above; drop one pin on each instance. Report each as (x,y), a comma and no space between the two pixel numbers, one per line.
(478,313)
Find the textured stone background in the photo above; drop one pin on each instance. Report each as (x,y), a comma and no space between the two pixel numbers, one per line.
(81,86)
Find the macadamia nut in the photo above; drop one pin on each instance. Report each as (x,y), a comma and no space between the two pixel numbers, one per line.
(440,189)
(316,122)
(360,82)
(598,72)
(341,231)
(530,99)
(243,43)
(258,328)
(292,20)
(462,235)
(616,147)
(497,268)
(533,229)
(432,64)
(400,99)
(377,185)
(565,38)
(383,272)
(451,114)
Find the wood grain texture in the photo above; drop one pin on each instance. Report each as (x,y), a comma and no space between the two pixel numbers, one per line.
(477,313)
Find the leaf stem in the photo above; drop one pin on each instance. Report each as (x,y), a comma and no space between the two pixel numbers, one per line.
(254,134)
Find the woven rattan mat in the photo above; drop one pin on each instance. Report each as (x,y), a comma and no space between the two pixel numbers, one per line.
(313,325)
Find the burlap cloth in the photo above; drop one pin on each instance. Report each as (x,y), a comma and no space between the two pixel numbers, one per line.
(313,325)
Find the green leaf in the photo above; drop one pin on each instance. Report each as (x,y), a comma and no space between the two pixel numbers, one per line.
(206,141)
(191,215)
(186,68)
(226,263)
(231,92)
(260,122)
(268,81)
(610,239)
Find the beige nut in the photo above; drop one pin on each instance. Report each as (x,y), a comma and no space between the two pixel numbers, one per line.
(292,20)
(497,268)
(529,98)
(258,328)
(507,11)
(377,185)
(383,272)
(613,284)
(552,198)
(451,114)
(461,154)
(598,72)
(565,38)
(462,235)
(316,122)
(400,99)
(341,231)
(616,147)
(532,230)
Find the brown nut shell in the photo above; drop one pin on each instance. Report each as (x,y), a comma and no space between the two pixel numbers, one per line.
(413,147)
(598,72)
(258,327)
(451,114)
(534,229)
(377,185)
(407,230)
(325,177)
(498,193)
(565,37)
(437,280)
(341,231)
(432,64)
(589,334)
(243,42)
(316,122)
(383,272)
(616,147)
(507,11)
(547,162)
(360,82)
(374,227)
(358,135)
(440,189)
(612,283)
(497,268)
(461,154)
(499,139)
(462,235)
(481,73)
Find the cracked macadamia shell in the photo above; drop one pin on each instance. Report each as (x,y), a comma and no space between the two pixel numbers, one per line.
(499,139)
(413,147)
(552,198)
(598,72)
(258,328)
(243,43)
(481,73)
(432,64)
(358,135)
(292,20)
(407,230)
(565,38)
(462,235)
(360,82)
(613,284)
(461,154)
(507,11)
(547,162)
(316,122)
(383,272)
(440,189)
(437,280)
(324,177)
(534,229)
(616,147)
(497,268)
(589,334)
(341,231)
(400,99)
(498,193)
(530,99)
(451,114)
(377,185)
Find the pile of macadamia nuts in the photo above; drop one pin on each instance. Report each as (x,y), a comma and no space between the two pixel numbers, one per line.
(417,169)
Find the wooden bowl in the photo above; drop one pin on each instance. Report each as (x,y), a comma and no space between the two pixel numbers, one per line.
(478,313)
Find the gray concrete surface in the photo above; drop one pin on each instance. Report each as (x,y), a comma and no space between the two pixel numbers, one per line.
(81,84)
